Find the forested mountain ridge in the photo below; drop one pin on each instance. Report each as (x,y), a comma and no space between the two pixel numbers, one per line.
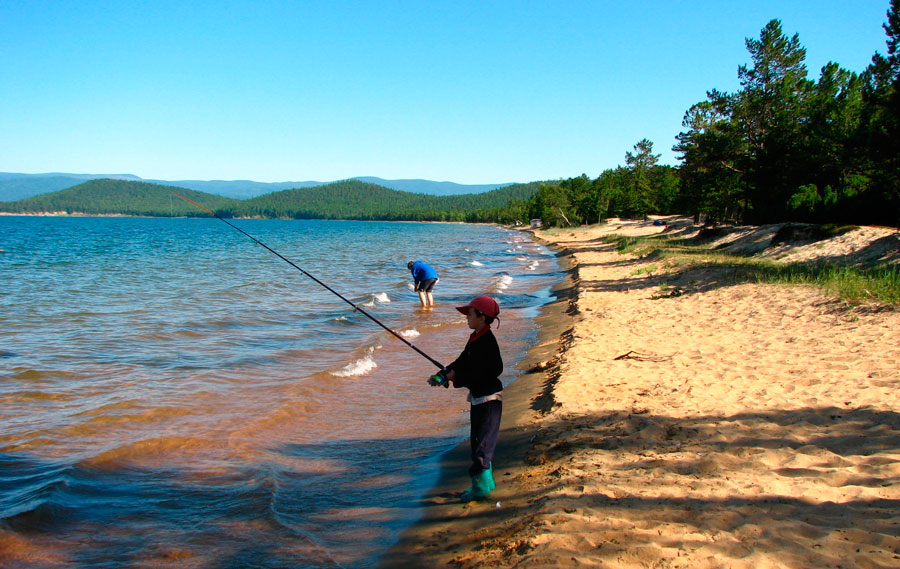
(350,199)
(14,186)
(122,197)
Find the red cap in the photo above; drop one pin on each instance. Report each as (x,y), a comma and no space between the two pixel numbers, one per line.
(483,304)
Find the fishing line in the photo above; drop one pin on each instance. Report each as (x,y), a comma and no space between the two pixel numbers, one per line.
(331,290)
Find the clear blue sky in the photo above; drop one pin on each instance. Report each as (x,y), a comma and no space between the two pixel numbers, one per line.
(468,92)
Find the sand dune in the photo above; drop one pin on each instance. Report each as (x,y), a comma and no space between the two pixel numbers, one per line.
(725,426)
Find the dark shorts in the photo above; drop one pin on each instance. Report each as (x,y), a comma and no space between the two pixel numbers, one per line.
(426,286)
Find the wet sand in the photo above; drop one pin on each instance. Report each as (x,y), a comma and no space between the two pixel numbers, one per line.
(668,420)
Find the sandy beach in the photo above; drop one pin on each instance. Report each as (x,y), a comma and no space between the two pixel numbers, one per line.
(674,418)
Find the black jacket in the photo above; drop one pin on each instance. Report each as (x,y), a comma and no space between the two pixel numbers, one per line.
(479,365)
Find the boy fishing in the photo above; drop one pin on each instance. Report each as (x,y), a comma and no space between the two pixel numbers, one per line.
(478,368)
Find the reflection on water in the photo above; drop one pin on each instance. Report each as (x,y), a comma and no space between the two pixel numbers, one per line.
(172,394)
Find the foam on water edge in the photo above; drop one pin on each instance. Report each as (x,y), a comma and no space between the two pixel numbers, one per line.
(502,283)
(378,298)
(361,366)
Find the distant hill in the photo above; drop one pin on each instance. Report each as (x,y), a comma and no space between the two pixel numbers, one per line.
(354,199)
(81,177)
(20,186)
(432,188)
(350,199)
(238,189)
(106,197)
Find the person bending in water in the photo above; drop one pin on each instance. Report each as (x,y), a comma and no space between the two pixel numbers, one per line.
(478,368)
(424,277)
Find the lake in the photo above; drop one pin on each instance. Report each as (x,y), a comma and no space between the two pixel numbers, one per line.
(173,394)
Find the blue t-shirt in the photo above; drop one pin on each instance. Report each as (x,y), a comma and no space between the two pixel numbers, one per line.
(422,271)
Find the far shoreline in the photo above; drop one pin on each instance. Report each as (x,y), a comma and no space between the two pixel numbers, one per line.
(82,214)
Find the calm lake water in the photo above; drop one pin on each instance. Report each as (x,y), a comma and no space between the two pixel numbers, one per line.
(174,395)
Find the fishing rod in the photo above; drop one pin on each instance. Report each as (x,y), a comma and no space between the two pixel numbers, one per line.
(291,263)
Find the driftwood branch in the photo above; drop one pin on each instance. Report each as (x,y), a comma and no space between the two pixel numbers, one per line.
(634,355)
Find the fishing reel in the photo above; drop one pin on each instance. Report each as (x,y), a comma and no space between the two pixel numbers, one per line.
(440,378)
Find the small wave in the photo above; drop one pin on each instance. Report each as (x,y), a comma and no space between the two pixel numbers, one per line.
(502,283)
(533,265)
(223,324)
(359,367)
(103,419)
(411,333)
(28,374)
(146,452)
(379,298)
(476,264)
(351,319)
(39,513)
(186,334)
(36,396)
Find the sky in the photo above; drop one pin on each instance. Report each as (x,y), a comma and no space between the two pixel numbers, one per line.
(467,92)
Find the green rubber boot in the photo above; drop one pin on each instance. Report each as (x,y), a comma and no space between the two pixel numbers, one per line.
(490,477)
(482,485)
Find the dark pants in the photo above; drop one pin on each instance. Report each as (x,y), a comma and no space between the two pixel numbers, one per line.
(484,433)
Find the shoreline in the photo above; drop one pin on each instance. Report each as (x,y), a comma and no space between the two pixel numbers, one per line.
(731,425)
(66,214)
(443,515)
